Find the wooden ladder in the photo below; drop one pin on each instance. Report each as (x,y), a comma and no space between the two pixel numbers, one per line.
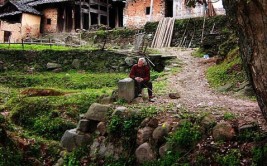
(163,35)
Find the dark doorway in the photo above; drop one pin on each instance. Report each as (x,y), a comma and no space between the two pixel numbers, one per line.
(94,18)
(7,35)
(116,14)
(85,21)
(169,8)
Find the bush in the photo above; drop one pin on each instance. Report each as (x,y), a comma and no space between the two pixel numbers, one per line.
(186,136)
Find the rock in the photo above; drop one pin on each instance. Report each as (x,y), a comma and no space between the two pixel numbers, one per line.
(101,148)
(126,89)
(71,139)
(225,87)
(167,69)
(119,111)
(86,125)
(138,100)
(153,122)
(175,95)
(145,153)
(160,133)
(101,127)
(149,121)
(163,150)
(247,128)
(50,65)
(76,63)
(208,121)
(106,100)
(144,135)
(144,122)
(223,131)
(97,112)
(130,61)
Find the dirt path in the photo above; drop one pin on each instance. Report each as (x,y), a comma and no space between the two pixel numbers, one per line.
(196,95)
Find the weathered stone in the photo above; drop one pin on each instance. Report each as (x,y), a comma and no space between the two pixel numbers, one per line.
(126,89)
(144,135)
(97,112)
(106,100)
(163,149)
(248,128)
(86,125)
(153,122)
(50,65)
(144,122)
(101,127)
(71,139)
(101,148)
(223,131)
(83,125)
(137,100)
(76,63)
(208,121)
(120,110)
(145,153)
(175,95)
(159,133)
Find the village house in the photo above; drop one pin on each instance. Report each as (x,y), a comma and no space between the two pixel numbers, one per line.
(30,18)
(138,12)
(22,20)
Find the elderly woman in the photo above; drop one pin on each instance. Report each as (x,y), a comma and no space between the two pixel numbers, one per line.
(140,72)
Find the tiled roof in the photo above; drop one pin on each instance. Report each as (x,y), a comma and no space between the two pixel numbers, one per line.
(20,8)
(25,8)
(40,2)
(10,14)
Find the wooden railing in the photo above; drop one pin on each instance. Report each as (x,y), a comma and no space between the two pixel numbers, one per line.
(50,42)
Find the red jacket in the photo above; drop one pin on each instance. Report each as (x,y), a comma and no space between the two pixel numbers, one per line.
(143,72)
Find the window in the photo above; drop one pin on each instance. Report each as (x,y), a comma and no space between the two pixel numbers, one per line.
(48,21)
(147,10)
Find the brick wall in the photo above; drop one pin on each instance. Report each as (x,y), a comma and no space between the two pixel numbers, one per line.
(135,12)
(49,14)
(15,30)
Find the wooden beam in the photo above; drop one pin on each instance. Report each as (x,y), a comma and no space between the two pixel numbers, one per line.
(89,16)
(81,16)
(107,15)
(94,11)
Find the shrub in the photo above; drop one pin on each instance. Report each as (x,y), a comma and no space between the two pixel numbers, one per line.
(186,136)
(232,158)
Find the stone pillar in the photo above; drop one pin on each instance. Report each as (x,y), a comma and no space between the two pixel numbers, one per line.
(126,89)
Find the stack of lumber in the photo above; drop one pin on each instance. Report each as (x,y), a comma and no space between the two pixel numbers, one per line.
(163,35)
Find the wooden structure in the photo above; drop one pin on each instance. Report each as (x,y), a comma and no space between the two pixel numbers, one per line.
(93,12)
(70,15)
(163,35)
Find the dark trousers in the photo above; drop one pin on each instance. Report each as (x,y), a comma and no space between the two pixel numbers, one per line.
(140,85)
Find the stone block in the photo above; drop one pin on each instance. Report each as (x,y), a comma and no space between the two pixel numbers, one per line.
(71,139)
(126,89)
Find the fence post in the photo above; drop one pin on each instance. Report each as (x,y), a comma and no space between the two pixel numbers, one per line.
(8,42)
(50,43)
(22,44)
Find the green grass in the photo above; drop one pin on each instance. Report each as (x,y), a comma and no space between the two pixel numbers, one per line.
(219,75)
(71,80)
(198,53)
(42,47)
